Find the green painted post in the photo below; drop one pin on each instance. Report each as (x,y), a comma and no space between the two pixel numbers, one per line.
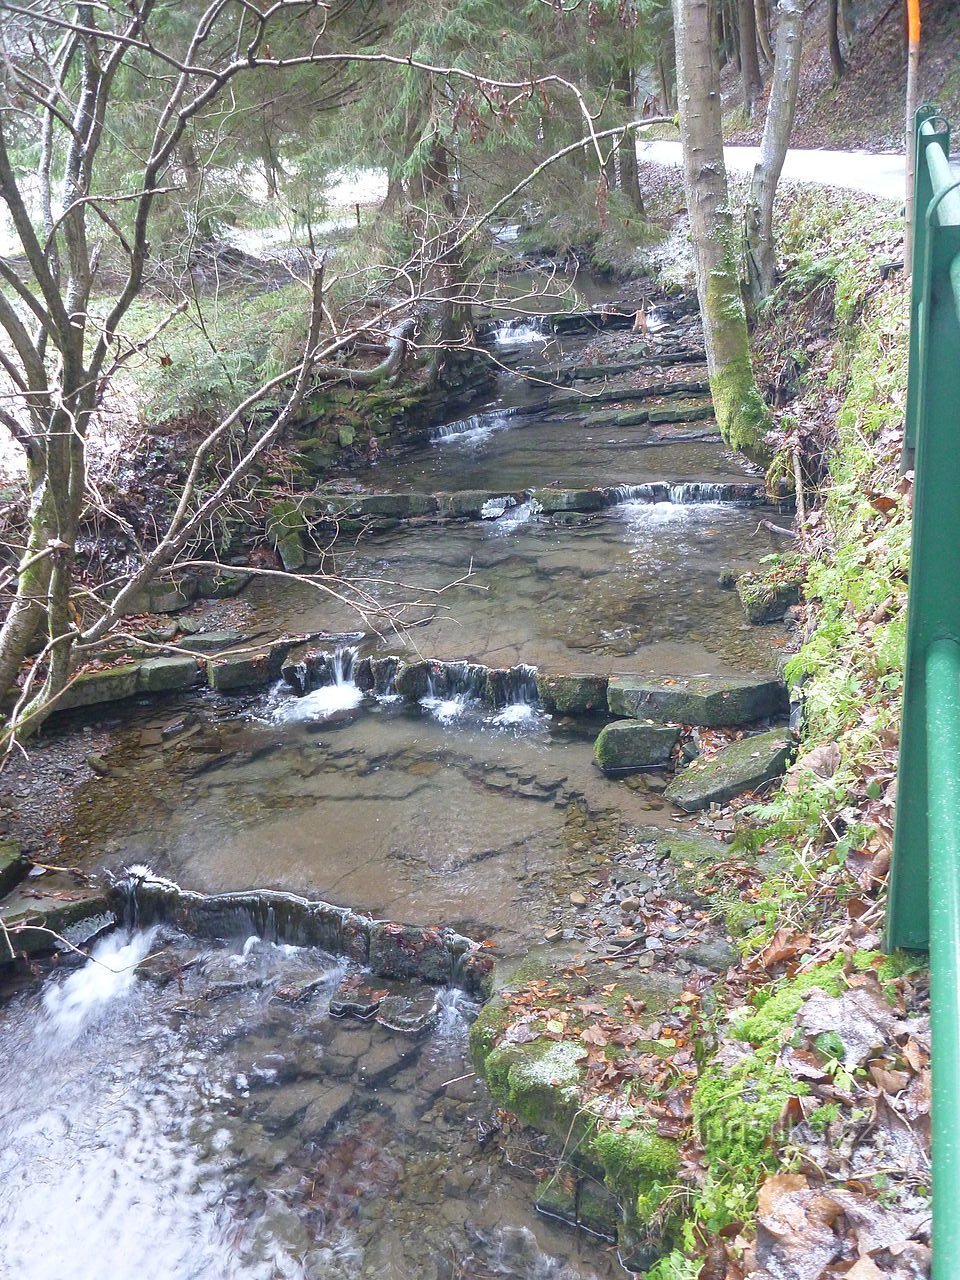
(934,605)
(943,753)
(923,194)
(924,902)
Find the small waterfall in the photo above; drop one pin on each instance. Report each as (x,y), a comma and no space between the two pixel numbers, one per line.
(452,688)
(476,428)
(494,508)
(520,699)
(520,331)
(688,493)
(327,686)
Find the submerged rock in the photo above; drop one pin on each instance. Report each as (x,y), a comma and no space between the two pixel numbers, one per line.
(743,766)
(634,744)
(703,700)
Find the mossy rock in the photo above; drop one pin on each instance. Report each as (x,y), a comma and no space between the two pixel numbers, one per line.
(709,701)
(244,671)
(413,680)
(556,500)
(285,525)
(627,745)
(767,595)
(631,1157)
(743,766)
(13,865)
(572,695)
(167,674)
(579,1201)
(540,1083)
(51,906)
(91,687)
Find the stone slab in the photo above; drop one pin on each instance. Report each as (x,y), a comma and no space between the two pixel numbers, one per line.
(634,744)
(743,766)
(705,701)
(572,695)
(164,675)
(51,905)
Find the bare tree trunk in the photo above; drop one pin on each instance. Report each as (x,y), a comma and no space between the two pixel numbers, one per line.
(833,41)
(749,62)
(629,170)
(848,21)
(761,256)
(913,69)
(741,413)
(762,22)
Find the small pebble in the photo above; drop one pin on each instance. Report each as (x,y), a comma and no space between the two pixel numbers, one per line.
(578,899)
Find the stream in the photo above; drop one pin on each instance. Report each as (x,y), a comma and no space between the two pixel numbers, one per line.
(193,1108)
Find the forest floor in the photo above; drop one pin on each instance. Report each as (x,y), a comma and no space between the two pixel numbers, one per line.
(865,110)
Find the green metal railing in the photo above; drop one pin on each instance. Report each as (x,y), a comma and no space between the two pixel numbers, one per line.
(924,904)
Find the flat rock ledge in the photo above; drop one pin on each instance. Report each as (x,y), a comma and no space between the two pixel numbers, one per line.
(705,701)
(743,766)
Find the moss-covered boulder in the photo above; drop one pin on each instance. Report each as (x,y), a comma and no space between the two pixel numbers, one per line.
(222,585)
(413,680)
(286,526)
(572,695)
(247,670)
(704,700)
(767,595)
(556,500)
(164,596)
(634,744)
(743,766)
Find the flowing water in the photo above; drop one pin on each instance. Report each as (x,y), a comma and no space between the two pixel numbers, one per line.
(184,1110)
(204,1117)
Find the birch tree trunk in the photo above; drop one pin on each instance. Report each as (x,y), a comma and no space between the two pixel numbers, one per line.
(761,255)
(741,413)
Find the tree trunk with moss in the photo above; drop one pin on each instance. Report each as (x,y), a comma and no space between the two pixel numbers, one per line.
(761,255)
(741,412)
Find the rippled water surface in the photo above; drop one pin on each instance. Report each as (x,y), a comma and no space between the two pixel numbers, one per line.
(204,1118)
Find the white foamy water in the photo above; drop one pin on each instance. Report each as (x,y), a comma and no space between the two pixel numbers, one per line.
(514,516)
(81,998)
(653,515)
(446,710)
(319,703)
(516,715)
(475,429)
(512,334)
